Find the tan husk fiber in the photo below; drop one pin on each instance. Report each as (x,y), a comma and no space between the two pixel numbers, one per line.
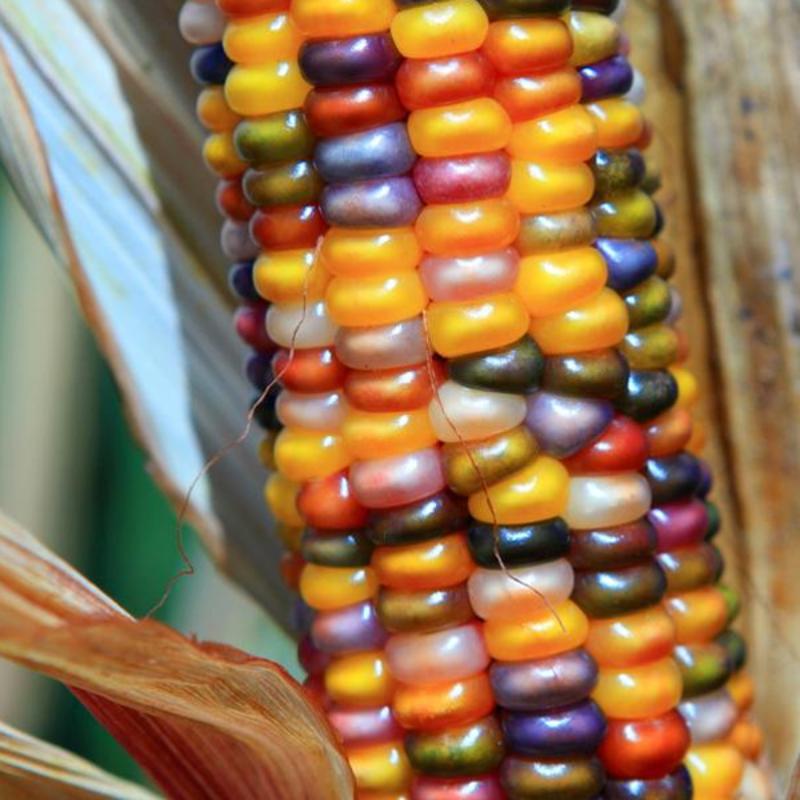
(203,720)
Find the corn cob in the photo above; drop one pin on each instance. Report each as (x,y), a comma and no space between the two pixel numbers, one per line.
(481,216)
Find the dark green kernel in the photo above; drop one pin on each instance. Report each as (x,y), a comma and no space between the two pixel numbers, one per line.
(599,375)
(274,139)
(613,593)
(456,752)
(518,545)
(337,550)
(516,369)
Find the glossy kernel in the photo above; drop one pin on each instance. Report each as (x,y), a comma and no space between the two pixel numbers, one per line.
(646,748)
(459,413)
(606,500)
(423,611)
(316,370)
(594,37)
(427,565)
(669,433)
(390,434)
(620,591)
(516,369)
(544,683)
(536,492)
(380,768)
(527,96)
(600,321)
(288,276)
(375,300)
(424,83)
(639,692)
(632,639)
(213,110)
(393,390)
(341,110)
(507,546)
(304,455)
(458,329)
(265,89)
(628,215)
(281,495)
(520,592)
(466,229)
(433,658)
(471,749)
(528,45)
(568,136)
(332,588)
(716,769)
(287,227)
(487,461)
(553,283)
(547,233)
(360,679)
(431,516)
(619,122)
(232,203)
(221,157)
(621,447)
(292,183)
(254,40)
(548,188)
(330,18)
(546,634)
(274,139)
(394,481)
(355,253)
(570,731)
(575,778)
(468,278)
(473,126)
(443,705)
(440,29)
(652,347)
(463,178)
(300,325)
(699,615)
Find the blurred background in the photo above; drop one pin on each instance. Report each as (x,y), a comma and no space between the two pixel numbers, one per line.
(71,473)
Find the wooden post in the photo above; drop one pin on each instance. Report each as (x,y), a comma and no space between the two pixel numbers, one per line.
(723,93)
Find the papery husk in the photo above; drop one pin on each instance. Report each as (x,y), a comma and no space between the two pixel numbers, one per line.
(100,144)
(203,720)
(35,770)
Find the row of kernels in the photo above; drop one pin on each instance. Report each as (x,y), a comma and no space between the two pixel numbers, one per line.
(274,143)
(697,608)
(519,496)
(700,608)
(362,157)
(203,23)
(640,684)
(444,696)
